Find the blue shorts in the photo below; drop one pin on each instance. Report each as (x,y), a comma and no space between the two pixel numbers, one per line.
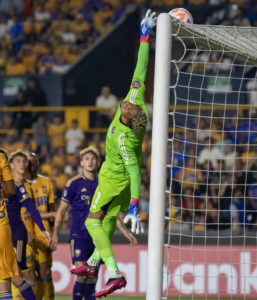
(81,249)
(20,239)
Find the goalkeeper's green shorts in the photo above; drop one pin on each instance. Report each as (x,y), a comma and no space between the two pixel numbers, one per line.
(111,196)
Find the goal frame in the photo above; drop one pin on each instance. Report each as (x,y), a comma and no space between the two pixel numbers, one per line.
(234,43)
(159,157)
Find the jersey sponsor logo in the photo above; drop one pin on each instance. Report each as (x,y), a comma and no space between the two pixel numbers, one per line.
(83,190)
(65,192)
(136,84)
(41,201)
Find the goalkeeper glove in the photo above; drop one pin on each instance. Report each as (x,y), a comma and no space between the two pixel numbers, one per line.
(133,217)
(147,24)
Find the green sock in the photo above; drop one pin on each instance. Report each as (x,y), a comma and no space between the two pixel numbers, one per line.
(108,225)
(101,232)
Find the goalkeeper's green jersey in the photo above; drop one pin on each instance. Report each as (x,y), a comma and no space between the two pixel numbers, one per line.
(123,145)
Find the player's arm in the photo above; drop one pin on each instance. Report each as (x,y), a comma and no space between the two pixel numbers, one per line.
(136,93)
(122,228)
(31,208)
(35,215)
(58,222)
(8,185)
(127,152)
(50,204)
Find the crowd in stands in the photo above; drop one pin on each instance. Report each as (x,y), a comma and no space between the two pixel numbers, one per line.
(44,37)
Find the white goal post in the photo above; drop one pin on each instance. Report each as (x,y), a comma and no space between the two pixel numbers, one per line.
(239,44)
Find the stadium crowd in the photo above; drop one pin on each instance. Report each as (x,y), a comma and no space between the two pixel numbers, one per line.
(48,36)
(44,37)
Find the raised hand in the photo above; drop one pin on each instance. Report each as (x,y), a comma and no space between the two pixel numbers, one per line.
(148,23)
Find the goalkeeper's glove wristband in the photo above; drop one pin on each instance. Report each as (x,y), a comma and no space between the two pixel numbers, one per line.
(133,217)
(147,24)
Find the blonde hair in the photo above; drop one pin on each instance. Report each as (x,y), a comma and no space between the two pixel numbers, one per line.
(18,152)
(91,150)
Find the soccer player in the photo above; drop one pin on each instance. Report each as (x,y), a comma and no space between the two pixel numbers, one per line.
(8,263)
(40,190)
(18,162)
(78,193)
(119,177)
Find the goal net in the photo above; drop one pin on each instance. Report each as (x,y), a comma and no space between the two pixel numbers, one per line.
(203,198)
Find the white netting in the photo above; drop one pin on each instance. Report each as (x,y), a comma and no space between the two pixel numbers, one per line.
(211,212)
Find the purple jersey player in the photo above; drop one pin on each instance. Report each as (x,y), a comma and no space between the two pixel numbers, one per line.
(19,232)
(18,163)
(78,194)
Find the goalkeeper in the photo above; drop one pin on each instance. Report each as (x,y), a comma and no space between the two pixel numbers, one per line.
(119,177)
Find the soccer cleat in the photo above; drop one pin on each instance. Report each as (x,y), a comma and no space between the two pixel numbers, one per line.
(87,270)
(112,285)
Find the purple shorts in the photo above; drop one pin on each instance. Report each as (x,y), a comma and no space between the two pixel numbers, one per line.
(19,239)
(81,249)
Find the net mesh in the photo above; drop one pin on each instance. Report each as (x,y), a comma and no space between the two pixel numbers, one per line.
(212,195)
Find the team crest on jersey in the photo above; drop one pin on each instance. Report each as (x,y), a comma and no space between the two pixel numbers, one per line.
(77,252)
(112,130)
(22,189)
(136,84)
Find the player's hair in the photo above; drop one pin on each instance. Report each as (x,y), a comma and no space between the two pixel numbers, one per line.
(139,121)
(91,150)
(18,152)
(4,152)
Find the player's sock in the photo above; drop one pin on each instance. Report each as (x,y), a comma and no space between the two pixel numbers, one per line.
(94,259)
(109,225)
(16,295)
(6,295)
(89,291)
(103,245)
(78,289)
(26,291)
(48,288)
(39,289)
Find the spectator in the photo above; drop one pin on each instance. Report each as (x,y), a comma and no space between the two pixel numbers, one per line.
(40,131)
(29,59)
(230,157)
(80,28)
(67,35)
(48,62)
(251,88)
(107,100)
(210,154)
(17,35)
(22,119)
(74,138)
(98,143)
(42,16)
(14,67)
(56,132)
(61,67)
(240,212)
(34,94)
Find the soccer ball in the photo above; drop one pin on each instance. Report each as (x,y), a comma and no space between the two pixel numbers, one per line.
(182,14)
